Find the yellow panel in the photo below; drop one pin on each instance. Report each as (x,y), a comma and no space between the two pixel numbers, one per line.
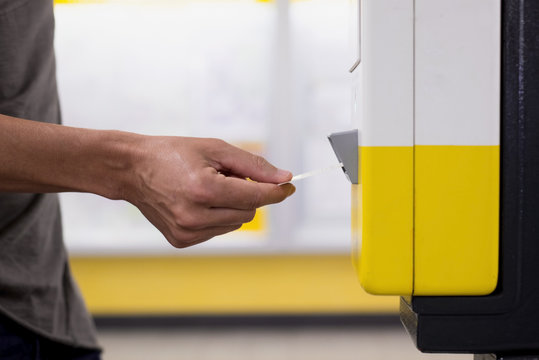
(383,219)
(224,285)
(456,219)
(259,222)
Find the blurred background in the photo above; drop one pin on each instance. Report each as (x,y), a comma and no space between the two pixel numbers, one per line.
(268,76)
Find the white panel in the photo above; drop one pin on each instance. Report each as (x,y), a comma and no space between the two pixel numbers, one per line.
(386,90)
(457,72)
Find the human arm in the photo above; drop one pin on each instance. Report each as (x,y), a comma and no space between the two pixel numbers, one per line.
(191,189)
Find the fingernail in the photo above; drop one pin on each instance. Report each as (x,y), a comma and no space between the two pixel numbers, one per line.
(284,174)
(291,191)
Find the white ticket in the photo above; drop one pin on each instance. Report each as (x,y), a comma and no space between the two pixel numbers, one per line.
(314,172)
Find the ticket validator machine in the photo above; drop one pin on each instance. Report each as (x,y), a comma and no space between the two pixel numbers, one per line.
(444,166)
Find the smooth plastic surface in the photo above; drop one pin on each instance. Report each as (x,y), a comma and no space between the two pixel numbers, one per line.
(505,322)
(345,144)
(425,217)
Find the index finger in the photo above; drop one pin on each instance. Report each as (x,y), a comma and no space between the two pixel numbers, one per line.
(245,164)
(236,193)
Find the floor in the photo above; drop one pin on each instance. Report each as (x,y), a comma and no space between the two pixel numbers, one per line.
(264,344)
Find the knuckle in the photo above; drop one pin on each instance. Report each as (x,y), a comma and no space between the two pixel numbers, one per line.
(260,162)
(219,142)
(250,216)
(216,145)
(182,239)
(187,220)
(255,201)
(200,193)
(178,244)
(175,241)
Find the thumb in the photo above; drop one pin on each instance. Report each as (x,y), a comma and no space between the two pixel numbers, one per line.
(245,164)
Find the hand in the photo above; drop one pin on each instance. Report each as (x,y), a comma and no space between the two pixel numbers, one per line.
(193,189)
(190,189)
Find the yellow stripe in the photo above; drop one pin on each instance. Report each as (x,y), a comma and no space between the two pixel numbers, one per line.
(383,215)
(259,222)
(456,219)
(224,285)
(425,220)
(79,1)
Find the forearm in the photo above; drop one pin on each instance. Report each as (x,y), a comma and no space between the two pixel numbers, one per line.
(39,157)
(178,183)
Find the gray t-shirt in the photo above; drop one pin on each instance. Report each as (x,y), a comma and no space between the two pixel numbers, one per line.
(36,286)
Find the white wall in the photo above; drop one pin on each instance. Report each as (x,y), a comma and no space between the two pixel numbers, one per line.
(270,73)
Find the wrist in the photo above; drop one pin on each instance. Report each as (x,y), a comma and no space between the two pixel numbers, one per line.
(117,159)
